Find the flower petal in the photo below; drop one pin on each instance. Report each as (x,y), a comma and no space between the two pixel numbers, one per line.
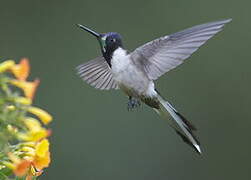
(29,88)
(42,148)
(21,71)
(6,65)
(41,114)
(42,162)
(42,158)
(23,100)
(22,168)
(32,124)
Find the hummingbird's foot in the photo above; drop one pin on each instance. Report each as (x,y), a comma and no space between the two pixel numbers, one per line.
(132,103)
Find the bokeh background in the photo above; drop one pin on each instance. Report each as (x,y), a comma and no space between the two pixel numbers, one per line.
(94,136)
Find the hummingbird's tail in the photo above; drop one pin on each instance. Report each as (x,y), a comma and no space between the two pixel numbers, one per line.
(183,127)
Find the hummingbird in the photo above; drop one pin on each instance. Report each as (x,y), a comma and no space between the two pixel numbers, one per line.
(135,72)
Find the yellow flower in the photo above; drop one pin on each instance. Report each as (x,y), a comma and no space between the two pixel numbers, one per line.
(42,162)
(39,159)
(10,108)
(34,166)
(23,100)
(29,88)
(21,70)
(12,129)
(35,131)
(39,156)
(42,148)
(41,114)
(42,157)
(27,147)
(6,65)
(34,172)
(28,144)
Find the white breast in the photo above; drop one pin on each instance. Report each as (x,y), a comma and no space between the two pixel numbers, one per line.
(120,61)
(129,77)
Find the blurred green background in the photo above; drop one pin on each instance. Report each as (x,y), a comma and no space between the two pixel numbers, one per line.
(94,136)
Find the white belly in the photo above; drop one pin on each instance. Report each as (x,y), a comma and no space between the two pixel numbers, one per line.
(129,77)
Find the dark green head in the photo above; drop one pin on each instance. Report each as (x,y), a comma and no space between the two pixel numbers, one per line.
(109,42)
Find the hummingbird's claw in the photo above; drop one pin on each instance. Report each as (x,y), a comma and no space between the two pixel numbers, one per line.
(133,103)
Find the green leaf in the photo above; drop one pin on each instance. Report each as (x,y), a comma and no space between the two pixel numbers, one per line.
(5,172)
(3,176)
(23,178)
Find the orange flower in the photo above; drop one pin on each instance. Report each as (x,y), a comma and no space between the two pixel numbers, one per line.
(29,88)
(26,168)
(22,168)
(35,160)
(19,166)
(21,70)
(27,147)
(41,158)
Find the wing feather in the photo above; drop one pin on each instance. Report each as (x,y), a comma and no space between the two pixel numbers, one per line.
(97,73)
(161,55)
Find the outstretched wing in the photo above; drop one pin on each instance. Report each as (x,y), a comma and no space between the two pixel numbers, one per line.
(97,73)
(161,55)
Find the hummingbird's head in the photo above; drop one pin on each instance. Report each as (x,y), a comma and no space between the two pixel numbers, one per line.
(109,42)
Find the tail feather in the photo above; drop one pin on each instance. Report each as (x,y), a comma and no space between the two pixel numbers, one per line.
(185,121)
(182,126)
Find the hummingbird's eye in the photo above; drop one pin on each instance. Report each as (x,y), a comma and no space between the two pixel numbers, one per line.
(113,40)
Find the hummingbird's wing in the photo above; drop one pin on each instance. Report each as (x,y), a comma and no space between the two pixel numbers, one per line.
(163,54)
(97,73)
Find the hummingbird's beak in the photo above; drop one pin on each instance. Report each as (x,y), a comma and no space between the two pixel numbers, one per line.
(97,35)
